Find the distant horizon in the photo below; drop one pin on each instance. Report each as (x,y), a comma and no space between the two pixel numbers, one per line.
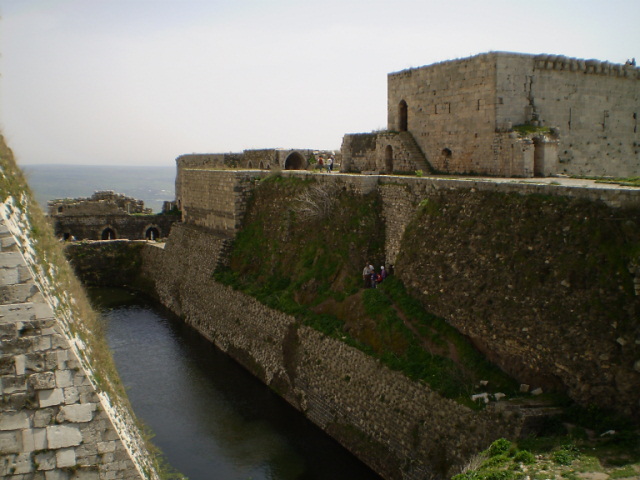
(151,184)
(94,165)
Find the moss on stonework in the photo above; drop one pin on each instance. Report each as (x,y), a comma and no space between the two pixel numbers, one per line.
(305,256)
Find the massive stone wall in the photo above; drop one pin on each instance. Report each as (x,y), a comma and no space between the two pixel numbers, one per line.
(399,427)
(402,198)
(55,421)
(451,107)
(595,106)
(461,113)
(546,286)
(215,199)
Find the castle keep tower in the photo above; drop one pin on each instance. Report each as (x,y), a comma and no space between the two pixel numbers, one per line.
(509,114)
(464,115)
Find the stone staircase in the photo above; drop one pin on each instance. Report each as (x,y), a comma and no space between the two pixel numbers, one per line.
(417,156)
(224,254)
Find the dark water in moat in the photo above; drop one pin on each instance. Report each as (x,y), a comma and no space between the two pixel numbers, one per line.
(211,418)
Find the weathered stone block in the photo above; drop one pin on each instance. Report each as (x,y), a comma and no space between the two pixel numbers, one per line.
(86,474)
(71,395)
(48,398)
(34,439)
(22,464)
(20,364)
(43,381)
(65,457)
(35,362)
(11,441)
(106,447)
(13,420)
(61,436)
(45,460)
(64,378)
(43,417)
(77,413)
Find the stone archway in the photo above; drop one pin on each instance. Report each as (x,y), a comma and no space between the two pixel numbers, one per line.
(388,159)
(446,159)
(295,161)
(152,233)
(403,116)
(108,234)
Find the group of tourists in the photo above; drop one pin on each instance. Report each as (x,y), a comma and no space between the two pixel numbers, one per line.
(328,163)
(371,278)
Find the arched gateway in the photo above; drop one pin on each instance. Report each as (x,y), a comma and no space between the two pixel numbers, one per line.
(295,161)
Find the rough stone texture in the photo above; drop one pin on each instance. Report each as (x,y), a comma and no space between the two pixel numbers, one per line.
(108,216)
(532,358)
(51,414)
(112,227)
(400,428)
(544,286)
(462,113)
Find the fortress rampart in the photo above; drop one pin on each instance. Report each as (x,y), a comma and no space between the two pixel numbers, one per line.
(399,427)
(401,199)
(551,336)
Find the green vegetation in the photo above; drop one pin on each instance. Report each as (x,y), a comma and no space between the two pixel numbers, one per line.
(306,259)
(529,129)
(624,181)
(504,460)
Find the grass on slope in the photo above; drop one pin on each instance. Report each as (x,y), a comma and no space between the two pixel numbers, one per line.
(305,258)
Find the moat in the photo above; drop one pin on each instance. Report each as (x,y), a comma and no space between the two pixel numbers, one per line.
(210,417)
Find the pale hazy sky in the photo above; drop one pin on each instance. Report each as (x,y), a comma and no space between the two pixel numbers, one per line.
(140,82)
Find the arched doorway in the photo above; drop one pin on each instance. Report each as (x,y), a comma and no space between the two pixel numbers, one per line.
(249,164)
(294,161)
(446,159)
(108,234)
(403,116)
(152,233)
(388,159)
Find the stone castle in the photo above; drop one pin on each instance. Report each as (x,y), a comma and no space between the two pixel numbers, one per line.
(498,114)
(507,114)
(495,114)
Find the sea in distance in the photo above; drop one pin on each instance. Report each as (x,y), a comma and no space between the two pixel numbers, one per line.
(151,184)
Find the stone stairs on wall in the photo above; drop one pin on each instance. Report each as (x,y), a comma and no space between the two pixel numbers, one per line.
(224,253)
(417,155)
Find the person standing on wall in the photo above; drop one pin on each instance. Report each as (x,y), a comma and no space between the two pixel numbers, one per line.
(329,164)
(374,277)
(366,275)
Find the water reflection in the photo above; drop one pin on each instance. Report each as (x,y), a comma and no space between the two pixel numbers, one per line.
(211,418)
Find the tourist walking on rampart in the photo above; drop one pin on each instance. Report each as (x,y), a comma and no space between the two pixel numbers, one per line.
(329,164)
(320,163)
